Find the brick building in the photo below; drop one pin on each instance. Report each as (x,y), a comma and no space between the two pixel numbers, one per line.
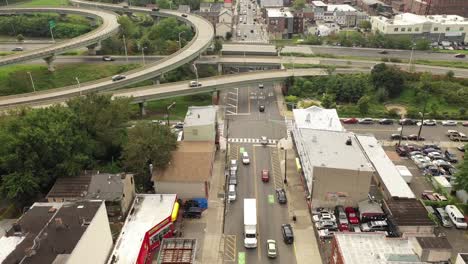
(436,7)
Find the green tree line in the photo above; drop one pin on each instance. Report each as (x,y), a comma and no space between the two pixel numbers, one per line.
(37,25)
(40,145)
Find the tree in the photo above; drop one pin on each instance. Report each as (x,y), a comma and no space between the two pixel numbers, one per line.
(328,101)
(20,38)
(365,24)
(449,75)
(148,144)
(388,77)
(228,35)
(218,45)
(313,40)
(364,104)
(461,178)
(422,44)
(299,4)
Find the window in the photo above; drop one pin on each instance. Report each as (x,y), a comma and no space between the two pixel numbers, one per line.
(195,132)
(395,29)
(462,28)
(436,29)
(447,29)
(416,29)
(410,29)
(403,29)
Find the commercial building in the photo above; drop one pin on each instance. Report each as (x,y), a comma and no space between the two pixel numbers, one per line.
(271,3)
(371,248)
(70,232)
(388,178)
(319,118)
(342,14)
(434,7)
(151,219)
(374,7)
(435,28)
(189,173)
(432,249)
(410,216)
(117,190)
(200,123)
(280,22)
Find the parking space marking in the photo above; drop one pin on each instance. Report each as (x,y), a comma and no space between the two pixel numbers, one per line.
(276,169)
(230,248)
(233,98)
(234,151)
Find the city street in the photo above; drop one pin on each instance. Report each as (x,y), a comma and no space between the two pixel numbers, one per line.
(247,26)
(246,125)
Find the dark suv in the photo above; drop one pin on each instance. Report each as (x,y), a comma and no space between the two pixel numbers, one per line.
(449,156)
(281,195)
(288,235)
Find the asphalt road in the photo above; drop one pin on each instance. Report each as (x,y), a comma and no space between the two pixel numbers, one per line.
(250,123)
(249,30)
(383,132)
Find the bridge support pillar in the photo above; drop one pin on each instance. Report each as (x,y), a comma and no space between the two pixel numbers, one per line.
(142,108)
(50,63)
(220,69)
(215,98)
(157,80)
(92,49)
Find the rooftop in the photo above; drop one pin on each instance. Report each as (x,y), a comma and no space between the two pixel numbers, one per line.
(329,149)
(317,118)
(147,211)
(464,256)
(70,187)
(177,250)
(408,212)
(389,175)
(318,3)
(411,19)
(278,12)
(271,3)
(106,186)
(360,248)
(434,242)
(345,8)
(374,2)
(57,238)
(191,162)
(212,7)
(200,115)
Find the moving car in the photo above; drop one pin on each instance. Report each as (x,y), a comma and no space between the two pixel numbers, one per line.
(264,140)
(245,158)
(265,175)
(118,77)
(383,52)
(386,121)
(281,195)
(461,148)
(260,86)
(155,9)
(449,123)
(261,108)
(460,137)
(451,132)
(107,58)
(17,49)
(195,84)
(407,122)
(288,235)
(233,166)
(272,249)
(192,212)
(351,120)
(366,121)
(415,137)
(184,15)
(459,55)
(465,123)
(430,122)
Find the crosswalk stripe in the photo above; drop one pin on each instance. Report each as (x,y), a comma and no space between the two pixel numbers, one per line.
(250,140)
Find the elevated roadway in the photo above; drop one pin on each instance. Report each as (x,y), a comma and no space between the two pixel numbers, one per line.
(108,27)
(204,34)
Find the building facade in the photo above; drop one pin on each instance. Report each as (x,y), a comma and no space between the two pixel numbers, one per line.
(435,28)
(280,23)
(200,123)
(436,7)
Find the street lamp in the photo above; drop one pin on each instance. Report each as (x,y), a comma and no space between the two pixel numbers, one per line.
(180,43)
(32,81)
(167,109)
(79,84)
(411,57)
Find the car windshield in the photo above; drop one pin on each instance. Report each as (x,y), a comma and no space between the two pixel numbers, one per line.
(250,235)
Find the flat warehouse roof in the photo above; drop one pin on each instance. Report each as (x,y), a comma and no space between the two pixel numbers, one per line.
(388,173)
(317,118)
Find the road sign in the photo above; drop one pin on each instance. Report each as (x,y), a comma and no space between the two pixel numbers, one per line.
(51,24)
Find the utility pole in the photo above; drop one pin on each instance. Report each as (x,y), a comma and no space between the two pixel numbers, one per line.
(32,81)
(401,131)
(143,54)
(169,108)
(125,47)
(422,117)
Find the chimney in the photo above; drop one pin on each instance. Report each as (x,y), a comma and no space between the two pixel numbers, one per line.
(349,142)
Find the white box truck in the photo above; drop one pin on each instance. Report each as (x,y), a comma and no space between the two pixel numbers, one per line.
(250,223)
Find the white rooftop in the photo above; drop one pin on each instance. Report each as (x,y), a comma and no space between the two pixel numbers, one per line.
(343,8)
(276,12)
(360,248)
(200,115)
(148,211)
(8,244)
(316,117)
(395,184)
(411,19)
(329,149)
(318,3)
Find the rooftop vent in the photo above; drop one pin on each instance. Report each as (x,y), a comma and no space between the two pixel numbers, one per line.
(349,142)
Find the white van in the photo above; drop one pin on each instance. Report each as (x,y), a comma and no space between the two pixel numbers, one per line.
(456,216)
(232,192)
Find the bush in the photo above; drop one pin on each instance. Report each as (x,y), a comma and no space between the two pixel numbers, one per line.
(384,59)
(396,60)
(291,99)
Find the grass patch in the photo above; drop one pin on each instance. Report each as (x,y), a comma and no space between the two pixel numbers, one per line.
(4,53)
(452,64)
(35,3)
(15,79)
(157,109)
(452,51)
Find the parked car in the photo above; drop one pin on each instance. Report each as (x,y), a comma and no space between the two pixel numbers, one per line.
(407,122)
(366,121)
(450,157)
(261,86)
(232,194)
(374,226)
(456,216)
(428,145)
(439,197)
(288,235)
(461,148)
(443,217)
(411,148)
(432,170)
(156,9)
(272,249)
(352,215)
(107,58)
(397,137)
(415,137)
(429,150)
(118,77)
(416,152)
(233,166)
(17,49)
(460,55)
(429,122)
(324,216)
(195,84)
(465,124)
(428,195)
(281,195)
(383,52)
(330,225)
(401,151)
(192,212)
(245,158)
(342,219)
(386,121)
(449,123)
(265,175)
(184,15)
(351,120)
(435,155)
